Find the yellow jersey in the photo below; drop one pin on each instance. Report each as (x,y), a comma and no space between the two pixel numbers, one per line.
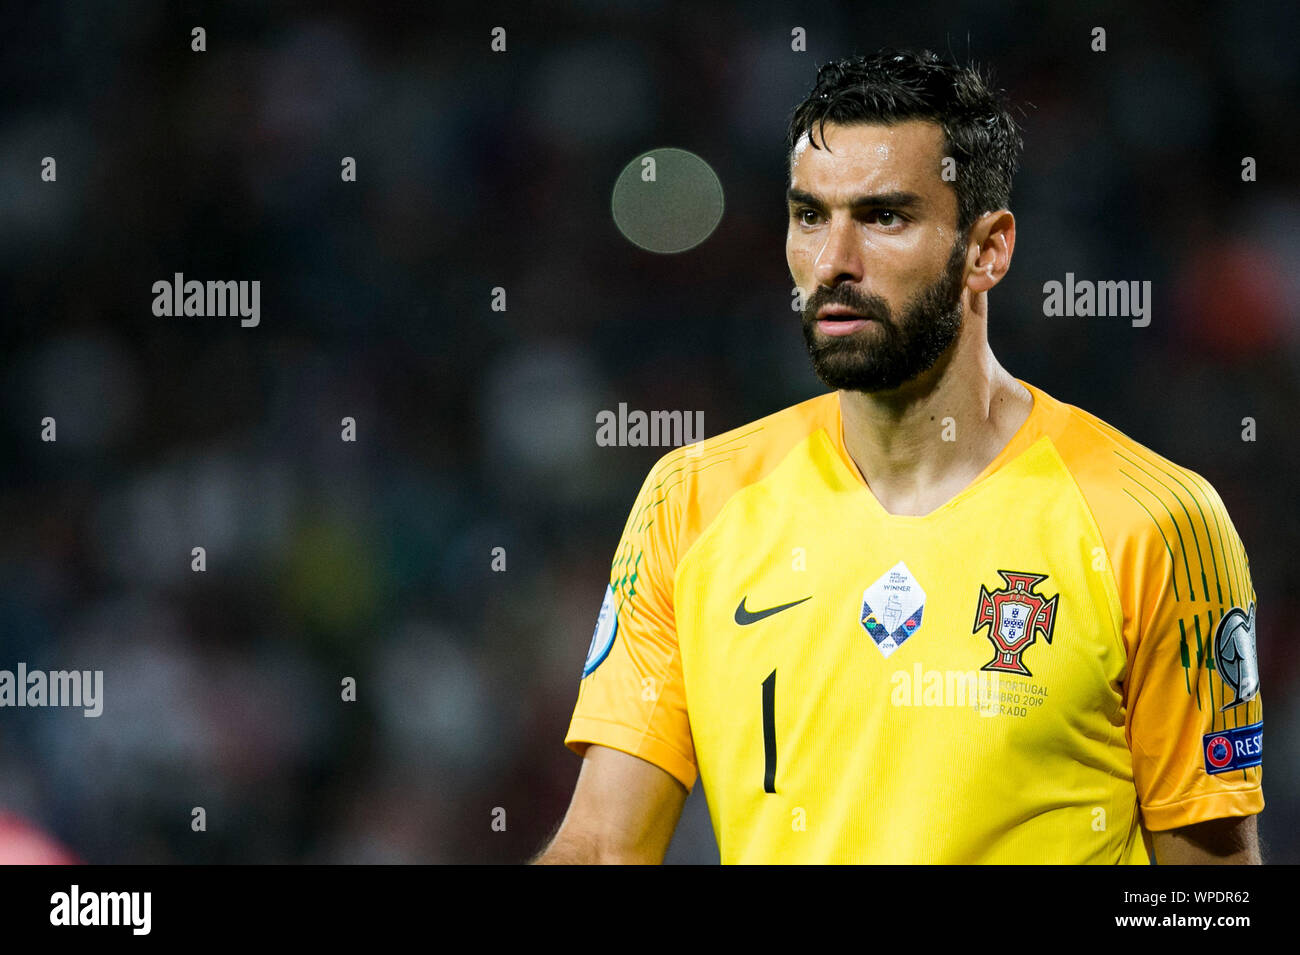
(1060,655)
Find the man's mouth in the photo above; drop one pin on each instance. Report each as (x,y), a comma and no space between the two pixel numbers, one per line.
(840,320)
(838,313)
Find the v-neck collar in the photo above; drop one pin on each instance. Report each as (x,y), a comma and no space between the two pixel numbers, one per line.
(1030,430)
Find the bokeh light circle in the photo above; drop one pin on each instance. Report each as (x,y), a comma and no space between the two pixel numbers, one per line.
(675,210)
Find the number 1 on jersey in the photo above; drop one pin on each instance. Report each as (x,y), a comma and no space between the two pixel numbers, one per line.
(769,733)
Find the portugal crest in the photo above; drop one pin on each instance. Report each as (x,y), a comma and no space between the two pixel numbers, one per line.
(1015,615)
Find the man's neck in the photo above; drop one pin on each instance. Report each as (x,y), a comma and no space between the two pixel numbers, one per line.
(921,445)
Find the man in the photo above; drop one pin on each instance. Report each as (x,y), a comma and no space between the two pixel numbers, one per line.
(935,615)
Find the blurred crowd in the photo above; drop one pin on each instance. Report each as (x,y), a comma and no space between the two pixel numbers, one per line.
(374,559)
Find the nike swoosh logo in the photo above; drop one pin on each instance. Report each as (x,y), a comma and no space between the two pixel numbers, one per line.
(746,617)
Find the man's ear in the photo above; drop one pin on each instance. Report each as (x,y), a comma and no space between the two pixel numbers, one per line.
(995,234)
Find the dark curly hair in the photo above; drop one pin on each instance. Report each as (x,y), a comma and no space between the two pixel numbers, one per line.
(893,86)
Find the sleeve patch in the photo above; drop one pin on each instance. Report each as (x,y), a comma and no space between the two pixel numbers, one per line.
(1234,642)
(1238,748)
(602,639)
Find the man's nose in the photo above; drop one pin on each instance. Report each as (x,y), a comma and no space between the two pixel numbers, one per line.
(839,258)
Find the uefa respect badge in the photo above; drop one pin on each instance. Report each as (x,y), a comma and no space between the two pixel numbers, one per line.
(1239,748)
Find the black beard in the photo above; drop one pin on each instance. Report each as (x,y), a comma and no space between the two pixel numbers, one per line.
(901,349)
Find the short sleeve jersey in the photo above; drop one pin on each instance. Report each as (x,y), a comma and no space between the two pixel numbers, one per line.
(1061,655)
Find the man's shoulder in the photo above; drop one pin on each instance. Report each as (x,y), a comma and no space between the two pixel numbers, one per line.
(1097,453)
(741,454)
(1143,502)
(691,484)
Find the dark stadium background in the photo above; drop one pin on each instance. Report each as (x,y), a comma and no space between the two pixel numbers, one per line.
(476,428)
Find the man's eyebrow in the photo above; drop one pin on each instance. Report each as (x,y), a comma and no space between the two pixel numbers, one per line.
(894,200)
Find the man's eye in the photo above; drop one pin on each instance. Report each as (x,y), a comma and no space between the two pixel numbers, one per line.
(802,213)
(886,217)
